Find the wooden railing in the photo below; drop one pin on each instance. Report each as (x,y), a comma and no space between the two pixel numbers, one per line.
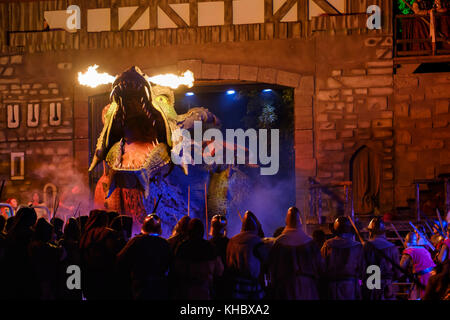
(429,46)
(315,199)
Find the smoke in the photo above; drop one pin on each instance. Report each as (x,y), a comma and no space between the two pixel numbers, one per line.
(71,185)
(269,200)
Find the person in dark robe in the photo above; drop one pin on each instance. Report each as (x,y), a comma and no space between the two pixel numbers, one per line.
(179,233)
(196,265)
(220,242)
(438,287)
(98,248)
(145,261)
(295,263)
(2,244)
(319,237)
(372,248)
(45,261)
(246,254)
(123,226)
(417,259)
(70,242)
(9,223)
(58,225)
(16,285)
(82,223)
(344,263)
(443,254)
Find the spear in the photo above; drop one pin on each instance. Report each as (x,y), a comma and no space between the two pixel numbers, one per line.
(440,221)
(206,211)
(398,235)
(76,210)
(189,200)
(55,206)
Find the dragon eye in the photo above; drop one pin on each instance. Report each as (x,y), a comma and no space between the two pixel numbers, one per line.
(162,99)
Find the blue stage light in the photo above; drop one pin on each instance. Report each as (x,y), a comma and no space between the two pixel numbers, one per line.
(189,94)
(230,92)
(267,90)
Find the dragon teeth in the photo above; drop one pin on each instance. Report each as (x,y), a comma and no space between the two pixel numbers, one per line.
(157,142)
(154,121)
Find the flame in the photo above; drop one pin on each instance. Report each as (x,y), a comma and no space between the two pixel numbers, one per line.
(173,81)
(92,78)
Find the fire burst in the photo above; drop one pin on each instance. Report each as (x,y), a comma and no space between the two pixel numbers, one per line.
(92,78)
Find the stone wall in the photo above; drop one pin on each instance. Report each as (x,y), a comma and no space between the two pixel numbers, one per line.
(47,144)
(422,142)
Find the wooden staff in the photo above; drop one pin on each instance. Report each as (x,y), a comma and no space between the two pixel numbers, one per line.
(356,230)
(1,189)
(240,217)
(206,212)
(76,210)
(189,200)
(55,206)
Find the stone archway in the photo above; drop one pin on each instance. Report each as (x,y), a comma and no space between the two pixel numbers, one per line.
(304,87)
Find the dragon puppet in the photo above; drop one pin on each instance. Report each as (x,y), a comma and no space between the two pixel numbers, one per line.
(135,146)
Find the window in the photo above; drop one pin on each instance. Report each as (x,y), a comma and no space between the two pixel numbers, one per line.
(55,114)
(17,165)
(33,115)
(13,116)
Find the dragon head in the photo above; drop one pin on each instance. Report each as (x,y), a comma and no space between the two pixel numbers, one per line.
(139,115)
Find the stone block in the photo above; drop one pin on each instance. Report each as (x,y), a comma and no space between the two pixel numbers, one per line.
(358,72)
(380,91)
(333,84)
(229,72)
(380,134)
(406,82)
(442,106)
(402,109)
(4,60)
(267,75)
(327,125)
(346,134)
(403,137)
(210,71)
(327,135)
(288,79)
(16,59)
(8,72)
(377,103)
(382,123)
(336,73)
(332,146)
(378,71)
(248,73)
(307,85)
(420,113)
(328,95)
(437,92)
(304,137)
(440,123)
(380,64)
(367,81)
